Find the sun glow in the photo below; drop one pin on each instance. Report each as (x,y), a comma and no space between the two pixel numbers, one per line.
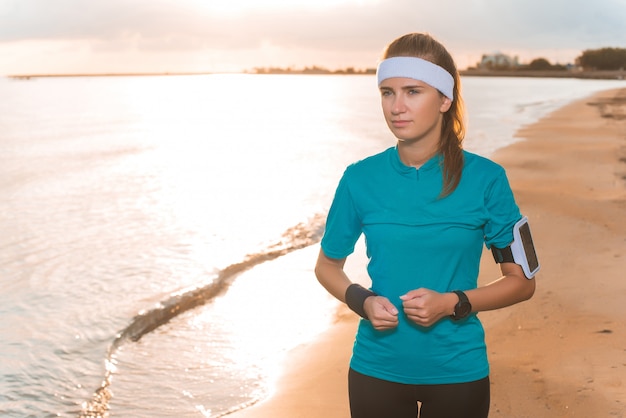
(250,6)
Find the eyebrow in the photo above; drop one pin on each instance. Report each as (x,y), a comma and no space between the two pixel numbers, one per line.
(411,87)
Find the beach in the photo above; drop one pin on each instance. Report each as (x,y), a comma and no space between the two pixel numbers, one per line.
(560,354)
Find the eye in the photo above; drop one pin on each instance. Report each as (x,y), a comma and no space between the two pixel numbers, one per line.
(414,91)
(385,93)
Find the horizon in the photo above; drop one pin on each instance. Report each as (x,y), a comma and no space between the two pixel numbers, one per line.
(291,67)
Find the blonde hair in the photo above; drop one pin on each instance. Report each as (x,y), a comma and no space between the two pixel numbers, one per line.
(426,47)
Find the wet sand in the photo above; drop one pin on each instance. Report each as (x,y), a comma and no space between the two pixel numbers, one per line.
(561,354)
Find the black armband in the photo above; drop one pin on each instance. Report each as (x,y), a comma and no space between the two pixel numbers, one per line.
(521,251)
(502,255)
(355,298)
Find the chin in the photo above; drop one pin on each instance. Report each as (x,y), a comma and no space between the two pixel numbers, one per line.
(405,138)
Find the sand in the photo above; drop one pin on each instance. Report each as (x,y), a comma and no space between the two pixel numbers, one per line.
(562,353)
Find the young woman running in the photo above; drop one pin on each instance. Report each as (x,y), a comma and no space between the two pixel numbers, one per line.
(426,208)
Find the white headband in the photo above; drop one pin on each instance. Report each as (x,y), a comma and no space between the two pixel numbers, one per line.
(417,69)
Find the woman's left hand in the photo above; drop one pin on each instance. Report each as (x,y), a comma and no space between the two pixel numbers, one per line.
(425,306)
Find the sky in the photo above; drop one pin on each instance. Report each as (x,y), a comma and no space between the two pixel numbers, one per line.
(138,36)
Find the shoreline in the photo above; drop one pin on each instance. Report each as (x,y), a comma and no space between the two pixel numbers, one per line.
(560,354)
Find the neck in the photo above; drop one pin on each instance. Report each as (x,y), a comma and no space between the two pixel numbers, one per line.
(415,154)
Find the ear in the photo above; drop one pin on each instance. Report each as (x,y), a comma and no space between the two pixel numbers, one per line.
(445,104)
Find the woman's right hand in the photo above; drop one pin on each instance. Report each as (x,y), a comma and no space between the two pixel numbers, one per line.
(381,313)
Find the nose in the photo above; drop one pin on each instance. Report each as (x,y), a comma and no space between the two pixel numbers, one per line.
(398,106)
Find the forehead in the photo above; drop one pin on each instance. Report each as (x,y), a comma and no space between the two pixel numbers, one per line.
(402,83)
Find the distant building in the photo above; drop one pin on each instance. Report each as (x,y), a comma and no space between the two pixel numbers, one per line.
(497,60)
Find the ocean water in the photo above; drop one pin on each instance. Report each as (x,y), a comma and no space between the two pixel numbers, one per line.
(157,234)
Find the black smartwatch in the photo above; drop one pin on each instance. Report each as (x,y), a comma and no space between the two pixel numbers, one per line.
(463,308)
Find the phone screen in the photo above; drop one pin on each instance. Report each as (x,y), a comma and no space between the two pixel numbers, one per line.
(529,248)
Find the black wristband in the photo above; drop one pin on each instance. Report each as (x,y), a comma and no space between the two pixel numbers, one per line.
(355,298)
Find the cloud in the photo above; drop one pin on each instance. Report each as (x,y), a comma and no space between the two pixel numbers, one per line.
(181,25)
(103,20)
(173,23)
(555,23)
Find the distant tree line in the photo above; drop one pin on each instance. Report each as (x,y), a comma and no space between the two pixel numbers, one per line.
(311,70)
(542,64)
(603,59)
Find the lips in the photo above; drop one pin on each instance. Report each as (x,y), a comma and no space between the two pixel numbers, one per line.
(400,123)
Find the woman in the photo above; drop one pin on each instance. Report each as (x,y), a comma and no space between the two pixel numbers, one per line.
(426,207)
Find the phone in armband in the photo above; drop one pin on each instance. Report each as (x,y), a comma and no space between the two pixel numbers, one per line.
(521,251)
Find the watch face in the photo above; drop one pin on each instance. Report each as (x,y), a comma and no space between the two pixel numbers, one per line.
(462,310)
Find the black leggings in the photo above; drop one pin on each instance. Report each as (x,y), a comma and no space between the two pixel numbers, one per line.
(375,398)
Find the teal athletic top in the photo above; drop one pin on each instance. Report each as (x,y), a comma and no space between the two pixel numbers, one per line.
(414,239)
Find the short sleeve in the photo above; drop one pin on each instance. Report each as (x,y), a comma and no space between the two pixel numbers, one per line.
(502,211)
(343,225)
